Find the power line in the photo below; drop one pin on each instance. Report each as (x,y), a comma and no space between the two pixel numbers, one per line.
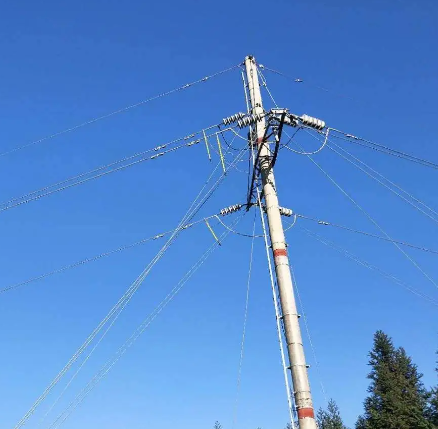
(101,171)
(355,164)
(354,139)
(85,261)
(305,81)
(265,84)
(323,145)
(115,112)
(80,397)
(371,267)
(124,300)
(384,149)
(245,319)
(370,218)
(417,202)
(368,234)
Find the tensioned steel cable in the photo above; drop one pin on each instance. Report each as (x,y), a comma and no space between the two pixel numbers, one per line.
(414,202)
(368,265)
(306,82)
(94,258)
(245,320)
(365,233)
(370,218)
(187,225)
(101,171)
(90,259)
(124,300)
(118,111)
(384,149)
(80,397)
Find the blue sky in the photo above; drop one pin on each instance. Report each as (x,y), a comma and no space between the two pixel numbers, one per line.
(66,62)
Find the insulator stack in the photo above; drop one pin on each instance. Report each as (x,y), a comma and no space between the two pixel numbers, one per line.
(231,209)
(234,118)
(312,122)
(286,212)
(250,120)
(283,211)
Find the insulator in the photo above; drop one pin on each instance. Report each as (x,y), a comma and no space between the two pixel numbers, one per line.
(250,120)
(312,122)
(230,209)
(157,155)
(234,118)
(283,211)
(286,212)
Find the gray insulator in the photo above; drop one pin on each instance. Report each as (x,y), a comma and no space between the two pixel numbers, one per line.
(286,212)
(230,209)
(283,211)
(312,122)
(249,120)
(233,118)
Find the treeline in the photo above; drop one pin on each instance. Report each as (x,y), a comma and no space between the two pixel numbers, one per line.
(397,397)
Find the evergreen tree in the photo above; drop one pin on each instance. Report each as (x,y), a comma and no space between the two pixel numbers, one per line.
(397,397)
(330,418)
(433,405)
(217,425)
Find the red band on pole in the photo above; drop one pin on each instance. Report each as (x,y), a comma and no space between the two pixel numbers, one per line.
(280,252)
(260,140)
(305,412)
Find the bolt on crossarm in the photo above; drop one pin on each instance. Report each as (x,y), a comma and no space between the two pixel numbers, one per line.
(297,362)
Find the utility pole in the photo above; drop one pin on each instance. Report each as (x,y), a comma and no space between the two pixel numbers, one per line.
(297,362)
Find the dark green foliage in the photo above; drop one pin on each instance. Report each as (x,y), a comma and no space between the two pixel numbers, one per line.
(330,418)
(397,398)
(217,425)
(432,411)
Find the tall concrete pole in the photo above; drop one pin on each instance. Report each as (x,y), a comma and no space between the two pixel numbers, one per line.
(297,361)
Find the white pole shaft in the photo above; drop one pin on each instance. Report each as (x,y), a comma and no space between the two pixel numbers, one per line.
(297,361)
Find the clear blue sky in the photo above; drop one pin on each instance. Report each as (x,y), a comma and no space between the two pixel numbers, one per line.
(66,62)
